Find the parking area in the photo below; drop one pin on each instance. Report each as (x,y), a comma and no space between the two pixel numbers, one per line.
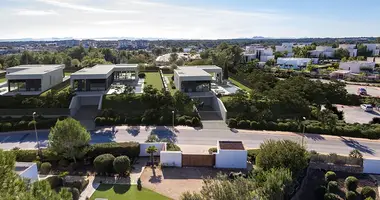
(372,91)
(354,114)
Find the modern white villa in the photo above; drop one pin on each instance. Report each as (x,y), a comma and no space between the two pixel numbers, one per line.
(323,51)
(293,63)
(33,79)
(252,52)
(357,66)
(350,48)
(286,48)
(100,77)
(375,48)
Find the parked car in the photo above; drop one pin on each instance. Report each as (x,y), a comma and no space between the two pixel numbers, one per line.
(367,107)
(362,91)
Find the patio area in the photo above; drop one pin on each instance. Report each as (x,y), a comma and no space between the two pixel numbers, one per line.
(118,87)
(225,89)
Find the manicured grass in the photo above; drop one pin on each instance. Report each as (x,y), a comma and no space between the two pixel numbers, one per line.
(68,73)
(3,79)
(243,87)
(123,192)
(154,79)
(172,91)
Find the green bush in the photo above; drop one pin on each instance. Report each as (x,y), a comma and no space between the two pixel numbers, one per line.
(332,187)
(78,184)
(50,156)
(170,146)
(45,168)
(141,75)
(320,192)
(368,192)
(75,192)
(244,124)
(351,183)
(25,155)
(195,121)
(181,120)
(255,125)
(122,165)
(104,163)
(7,126)
(130,149)
(55,181)
(99,121)
(251,155)
(350,195)
(212,150)
(330,196)
(63,163)
(189,122)
(232,123)
(330,176)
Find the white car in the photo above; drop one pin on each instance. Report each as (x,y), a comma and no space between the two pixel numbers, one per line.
(367,107)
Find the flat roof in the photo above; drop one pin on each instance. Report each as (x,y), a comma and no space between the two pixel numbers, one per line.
(103,69)
(191,71)
(208,67)
(34,69)
(231,145)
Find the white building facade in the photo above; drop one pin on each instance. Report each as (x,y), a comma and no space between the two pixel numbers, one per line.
(293,63)
(351,48)
(375,48)
(285,48)
(357,66)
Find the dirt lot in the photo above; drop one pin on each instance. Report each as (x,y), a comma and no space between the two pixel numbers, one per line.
(172,182)
(316,178)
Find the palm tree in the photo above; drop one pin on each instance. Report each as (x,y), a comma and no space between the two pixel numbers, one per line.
(151,150)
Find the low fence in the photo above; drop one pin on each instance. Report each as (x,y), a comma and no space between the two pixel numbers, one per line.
(178,159)
(335,167)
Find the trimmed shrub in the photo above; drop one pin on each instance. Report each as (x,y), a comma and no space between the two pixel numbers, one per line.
(195,121)
(251,155)
(7,126)
(181,120)
(254,125)
(350,195)
(330,196)
(189,123)
(212,150)
(232,123)
(244,124)
(351,183)
(368,192)
(80,184)
(170,146)
(139,186)
(122,165)
(320,192)
(330,176)
(142,75)
(45,168)
(332,187)
(55,181)
(75,192)
(130,149)
(104,163)
(25,155)
(50,156)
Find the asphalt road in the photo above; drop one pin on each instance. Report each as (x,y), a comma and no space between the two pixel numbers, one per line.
(196,141)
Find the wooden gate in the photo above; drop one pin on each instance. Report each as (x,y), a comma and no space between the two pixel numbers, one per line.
(198,160)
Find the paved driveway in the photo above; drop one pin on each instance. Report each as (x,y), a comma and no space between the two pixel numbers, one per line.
(354,114)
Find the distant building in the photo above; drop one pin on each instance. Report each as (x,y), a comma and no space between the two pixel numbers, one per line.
(286,47)
(351,48)
(357,66)
(293,63)
(323,51)
(89,43)
(252,52)
(375,48)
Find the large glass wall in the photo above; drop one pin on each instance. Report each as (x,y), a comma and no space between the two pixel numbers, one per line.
(24,85)
(195,86)
(90,85)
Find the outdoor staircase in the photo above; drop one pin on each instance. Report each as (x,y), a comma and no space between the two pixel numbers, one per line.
(86,115)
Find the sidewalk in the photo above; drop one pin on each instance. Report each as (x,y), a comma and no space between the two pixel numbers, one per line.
(307,135)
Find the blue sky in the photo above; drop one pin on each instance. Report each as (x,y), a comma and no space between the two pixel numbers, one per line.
(188,19)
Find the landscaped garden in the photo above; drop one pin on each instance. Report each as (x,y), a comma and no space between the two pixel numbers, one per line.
(154,79)
(122,192)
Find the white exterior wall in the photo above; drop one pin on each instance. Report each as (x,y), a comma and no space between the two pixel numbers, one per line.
(160,147)
(171,158)
(231,159)
(51,79)
(218,105)
(371,166)
(374,48)
(177,81)
(30,173)
(354,67)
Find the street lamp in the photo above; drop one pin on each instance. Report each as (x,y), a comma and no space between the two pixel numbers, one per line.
(35,130)
(303,130)
(173,117)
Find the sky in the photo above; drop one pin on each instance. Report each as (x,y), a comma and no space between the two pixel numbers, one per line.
(188,19)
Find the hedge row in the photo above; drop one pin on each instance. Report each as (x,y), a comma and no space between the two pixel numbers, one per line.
(130,149)
(341,129)
(182,120)
(14,124)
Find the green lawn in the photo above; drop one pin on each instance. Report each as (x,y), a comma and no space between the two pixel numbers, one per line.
(68,73)
(154,79)
(3,79)
(172,91)
(243,87)
(124,192)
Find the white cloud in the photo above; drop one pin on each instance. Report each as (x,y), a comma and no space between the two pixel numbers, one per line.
(25,12)
(115,22)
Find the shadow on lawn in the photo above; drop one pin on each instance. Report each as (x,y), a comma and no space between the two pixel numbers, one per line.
(104,187)
(121,189)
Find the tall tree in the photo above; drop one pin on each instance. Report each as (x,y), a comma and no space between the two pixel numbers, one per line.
(341,53)
(173,57)
(69,139)
(151,150)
